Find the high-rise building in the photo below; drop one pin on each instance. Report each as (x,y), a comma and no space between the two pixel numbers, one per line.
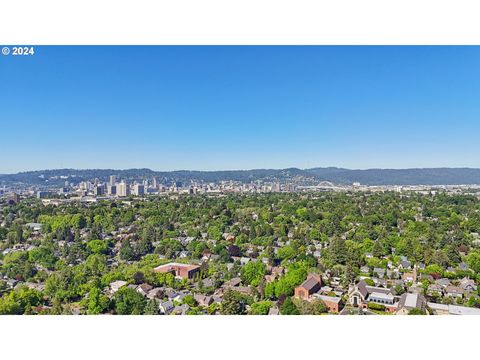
(112,180)
(276,187)
(123,189)
(98,191)
(112,189)
(139,190)
(155,183)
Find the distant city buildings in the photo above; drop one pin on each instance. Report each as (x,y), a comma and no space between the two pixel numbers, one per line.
(139,190)
(112,187)
(112,180)
(123,189)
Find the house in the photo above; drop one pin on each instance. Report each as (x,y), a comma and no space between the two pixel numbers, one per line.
(155,293)
(333,303)
(278,270)
(427,277)
(35,286)
(206,255)
(203,300)
(405,264)
(454,292)
(393,274)
(34,226)
(365,269)
(274,311)
(11,283)
(171,294)
(166,307)
(144,289)
(308,287)
(245,290)
(410,301)
(183,254)
(468,285)
(244,260)
(208,282)
(180,309)
(380,282)
(184,271)
(435,290)
(379,272)
(232,282)
(443,282)
(116,285)
(463,266)
(410,276)
(270,278)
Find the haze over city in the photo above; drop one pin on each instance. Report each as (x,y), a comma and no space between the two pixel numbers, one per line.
(221,108)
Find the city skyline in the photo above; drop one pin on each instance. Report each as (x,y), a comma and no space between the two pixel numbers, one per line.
(237,108)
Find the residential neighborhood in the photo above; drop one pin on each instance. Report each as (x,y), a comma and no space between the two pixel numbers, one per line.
(263,254)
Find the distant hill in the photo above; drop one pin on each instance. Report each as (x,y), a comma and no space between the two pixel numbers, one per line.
(426,176)
(421,176)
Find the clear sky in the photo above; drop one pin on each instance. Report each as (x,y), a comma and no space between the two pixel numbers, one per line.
(211,108)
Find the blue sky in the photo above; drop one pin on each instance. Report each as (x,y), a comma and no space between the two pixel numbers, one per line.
(210,108)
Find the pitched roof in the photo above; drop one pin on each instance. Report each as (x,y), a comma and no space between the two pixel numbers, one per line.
(410,301)
(310,283)
(362,287)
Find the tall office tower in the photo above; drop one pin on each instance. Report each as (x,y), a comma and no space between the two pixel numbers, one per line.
(123,189)
(98,191)
(112,189)
(112,180)
(139,190)
(276,187)
(155,183)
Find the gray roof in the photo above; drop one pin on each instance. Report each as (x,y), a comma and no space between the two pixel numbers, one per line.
(310,283)
(411,301)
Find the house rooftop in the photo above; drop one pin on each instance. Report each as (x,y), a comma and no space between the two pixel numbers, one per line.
(173,265)
(310,283)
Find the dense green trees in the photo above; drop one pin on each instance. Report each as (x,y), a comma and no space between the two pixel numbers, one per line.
(44,256)
(97,247)
(261,308)
(286,284)
(129,302)
(253,273)
(233,303)
(97,302)
(18,266)
(289,308)
(84,247)
(316,307)
(20,301)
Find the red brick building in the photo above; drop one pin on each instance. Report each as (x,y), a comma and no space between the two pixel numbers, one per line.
(332,303)
(308,287)
(185,271)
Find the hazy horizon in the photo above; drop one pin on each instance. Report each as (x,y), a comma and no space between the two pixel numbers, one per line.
(233,169)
